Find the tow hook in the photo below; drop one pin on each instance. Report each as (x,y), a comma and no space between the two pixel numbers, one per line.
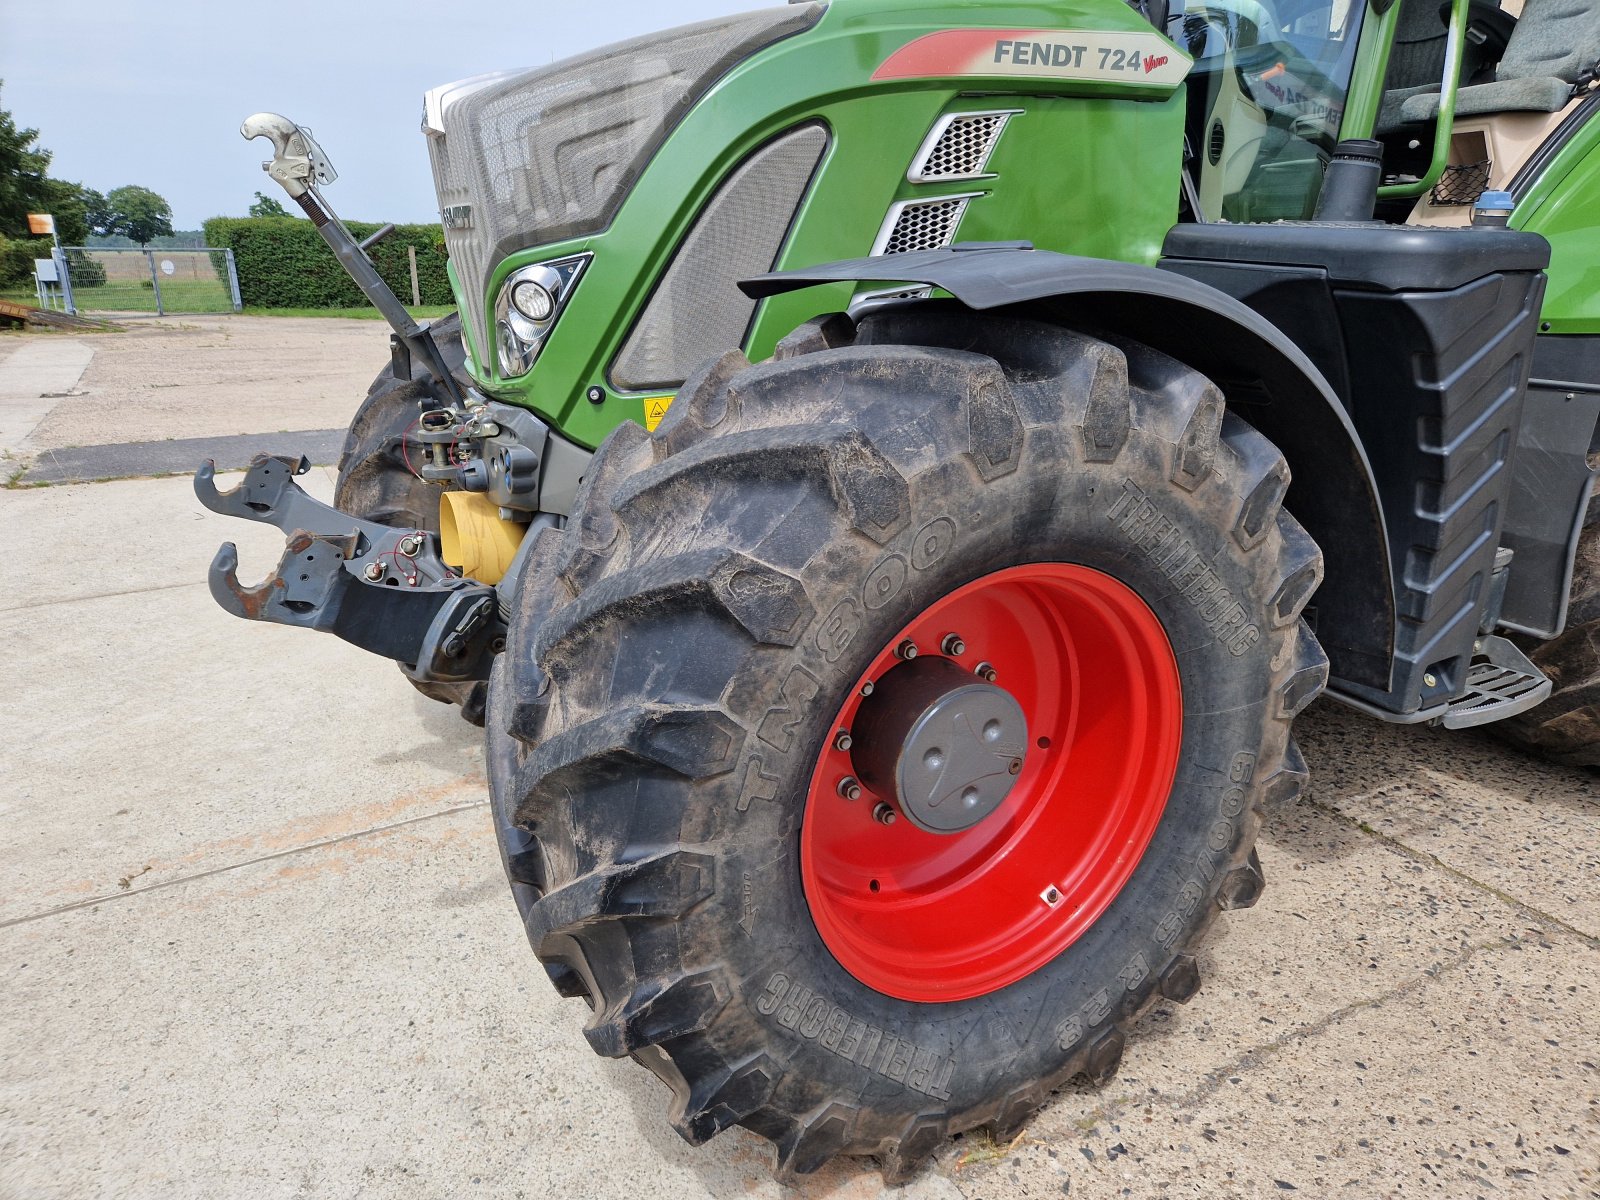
(383,589)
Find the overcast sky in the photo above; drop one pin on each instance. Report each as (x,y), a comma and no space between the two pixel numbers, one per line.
(153,93)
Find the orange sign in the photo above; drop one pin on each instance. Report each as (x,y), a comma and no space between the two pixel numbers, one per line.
(41,223)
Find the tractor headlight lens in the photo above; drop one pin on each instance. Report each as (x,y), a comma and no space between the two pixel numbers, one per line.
(526,308)
(533,300)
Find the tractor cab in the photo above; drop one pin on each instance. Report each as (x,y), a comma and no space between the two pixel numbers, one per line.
(1461,96)
(1477,429)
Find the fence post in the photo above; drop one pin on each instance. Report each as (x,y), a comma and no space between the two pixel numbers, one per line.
(150,256)
(65,278)
(416,293)
(233,281)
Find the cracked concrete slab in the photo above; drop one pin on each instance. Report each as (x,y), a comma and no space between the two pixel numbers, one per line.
(1396,1095)
(1499,816)
(34,377)
(80,541)
(151,742)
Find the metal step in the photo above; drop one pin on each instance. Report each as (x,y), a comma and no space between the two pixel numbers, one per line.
(1500,683)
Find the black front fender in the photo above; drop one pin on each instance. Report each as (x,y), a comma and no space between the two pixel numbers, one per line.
(1264,376)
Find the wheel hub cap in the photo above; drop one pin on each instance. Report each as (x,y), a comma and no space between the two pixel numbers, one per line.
(947,747)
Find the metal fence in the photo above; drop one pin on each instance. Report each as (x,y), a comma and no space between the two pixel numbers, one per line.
(199,280)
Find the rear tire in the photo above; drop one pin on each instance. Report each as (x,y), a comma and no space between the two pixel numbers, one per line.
(378,481)
(1565,728)
(681,650)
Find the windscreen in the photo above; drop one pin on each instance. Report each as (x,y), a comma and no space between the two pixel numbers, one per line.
(1266,98)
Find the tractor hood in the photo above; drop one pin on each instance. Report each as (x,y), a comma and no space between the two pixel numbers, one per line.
(525,158)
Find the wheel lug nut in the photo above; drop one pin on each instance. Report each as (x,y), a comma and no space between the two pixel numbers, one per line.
(374,571)
(986,672)
(953,645)
(906,649)
(849,788)
(884,815)
(867,688)
(842,740)
(1015,766)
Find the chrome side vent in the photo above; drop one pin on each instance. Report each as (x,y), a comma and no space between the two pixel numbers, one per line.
(863,303)
(921,224)
(959,146)
(917,293)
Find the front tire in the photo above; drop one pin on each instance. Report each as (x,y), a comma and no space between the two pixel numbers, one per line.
(1565,728)
(685,651)
(378,479)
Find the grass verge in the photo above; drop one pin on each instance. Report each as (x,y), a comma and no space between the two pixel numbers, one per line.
(178,297)
(425,312)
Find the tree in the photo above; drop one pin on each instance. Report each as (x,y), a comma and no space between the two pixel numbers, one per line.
(97,211)
(74,207)
(266,206)
(23,176)
(138,213)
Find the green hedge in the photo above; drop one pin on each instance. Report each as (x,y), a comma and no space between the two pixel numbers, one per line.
(284,263)
(16,259)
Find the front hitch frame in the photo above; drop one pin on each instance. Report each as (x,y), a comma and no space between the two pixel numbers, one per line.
(383,589)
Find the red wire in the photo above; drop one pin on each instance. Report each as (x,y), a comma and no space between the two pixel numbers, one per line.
(405,453)
(405,447)
(410,575)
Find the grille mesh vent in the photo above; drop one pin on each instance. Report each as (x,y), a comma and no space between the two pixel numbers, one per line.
(697,311)
(539,156)
(962,149)
(923,225)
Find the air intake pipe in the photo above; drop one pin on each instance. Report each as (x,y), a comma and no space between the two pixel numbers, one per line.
(1350,184)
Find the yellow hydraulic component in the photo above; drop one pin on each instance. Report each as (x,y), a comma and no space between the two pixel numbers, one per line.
(474,537)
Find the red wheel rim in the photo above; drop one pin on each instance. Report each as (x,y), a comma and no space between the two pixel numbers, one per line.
(936,917)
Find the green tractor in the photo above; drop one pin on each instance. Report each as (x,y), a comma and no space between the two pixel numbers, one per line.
(901,467)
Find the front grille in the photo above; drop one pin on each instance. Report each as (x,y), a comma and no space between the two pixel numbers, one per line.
(921,224)
(959,147)
(529,158)
(697,310)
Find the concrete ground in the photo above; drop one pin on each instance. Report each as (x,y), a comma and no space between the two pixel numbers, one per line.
(254,939)
(204,376)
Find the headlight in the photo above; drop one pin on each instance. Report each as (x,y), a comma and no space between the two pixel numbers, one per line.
(526,308)
(533,300)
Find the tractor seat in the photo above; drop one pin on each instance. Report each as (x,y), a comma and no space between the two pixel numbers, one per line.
(1555,46)
(1416,60)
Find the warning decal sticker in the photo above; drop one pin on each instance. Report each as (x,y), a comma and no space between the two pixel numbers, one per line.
(1137,57)
(655,408)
